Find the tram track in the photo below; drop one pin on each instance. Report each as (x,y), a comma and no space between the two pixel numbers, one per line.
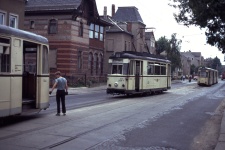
(94,129)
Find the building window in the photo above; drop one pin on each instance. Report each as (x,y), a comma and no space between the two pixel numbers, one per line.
(101,33)
(96,31)
(2,18)
(91,31)
(95,63)
(79,59)
(125,46)
(13,21)
(90,62)
(101,64)
(52,27)
(32,25)
(81,28)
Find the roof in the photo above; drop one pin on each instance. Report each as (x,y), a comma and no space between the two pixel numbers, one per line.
(127,14)
(6,30)
(196,54)
(44,5)
(139,55)
(115,26)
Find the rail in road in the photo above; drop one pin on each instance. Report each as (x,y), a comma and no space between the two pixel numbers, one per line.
(98,126)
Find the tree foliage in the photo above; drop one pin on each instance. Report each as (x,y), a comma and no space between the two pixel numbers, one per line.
(172,49)
(207,14)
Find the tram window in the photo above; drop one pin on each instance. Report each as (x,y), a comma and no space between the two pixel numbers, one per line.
(125,69)
(150,68)
(117,69)
(157,69)
(4,59)
(163,70)
(109,71)
(131,67)
(203,74)
(45,60)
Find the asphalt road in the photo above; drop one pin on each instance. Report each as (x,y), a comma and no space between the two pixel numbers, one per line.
(175,120)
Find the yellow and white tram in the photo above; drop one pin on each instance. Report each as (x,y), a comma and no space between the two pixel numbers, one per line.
(207,76)
(137,73)
(24,72)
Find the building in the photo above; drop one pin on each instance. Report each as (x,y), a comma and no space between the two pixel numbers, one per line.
(76,37)
(150,42)
(125,34)
(12,13)
(191,58)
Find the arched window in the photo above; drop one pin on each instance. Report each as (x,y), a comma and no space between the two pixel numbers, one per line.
(95,63)
(52,26)
(90,62)
(101,64)
(80,59)
(81,28)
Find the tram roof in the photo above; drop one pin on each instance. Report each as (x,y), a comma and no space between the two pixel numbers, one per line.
(139,55)
(206,68)
(6,30)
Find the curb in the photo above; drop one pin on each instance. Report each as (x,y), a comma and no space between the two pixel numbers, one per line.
(221,141)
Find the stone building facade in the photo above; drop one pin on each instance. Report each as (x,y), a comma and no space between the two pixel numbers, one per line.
(12,15)
(76,37)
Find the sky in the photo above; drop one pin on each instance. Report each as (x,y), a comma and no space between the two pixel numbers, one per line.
(159,15)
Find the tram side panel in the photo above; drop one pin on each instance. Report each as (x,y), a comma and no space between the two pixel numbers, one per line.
(5,96)
(16,81)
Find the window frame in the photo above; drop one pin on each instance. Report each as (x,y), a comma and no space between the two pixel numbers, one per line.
(3,17)
(16,17)
(52,25)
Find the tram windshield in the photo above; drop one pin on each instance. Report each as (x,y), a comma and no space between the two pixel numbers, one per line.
(203,74)
(119,69)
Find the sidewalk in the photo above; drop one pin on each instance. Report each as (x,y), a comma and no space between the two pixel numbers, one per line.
(79,90)
(221,141)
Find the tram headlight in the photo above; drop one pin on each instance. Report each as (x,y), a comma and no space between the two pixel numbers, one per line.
(123,85)
(116,84)
(109,85)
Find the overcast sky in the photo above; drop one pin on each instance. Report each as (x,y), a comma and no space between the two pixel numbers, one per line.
(158,14)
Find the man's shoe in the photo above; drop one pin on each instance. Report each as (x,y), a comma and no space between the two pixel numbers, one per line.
(64,114)
(57,114)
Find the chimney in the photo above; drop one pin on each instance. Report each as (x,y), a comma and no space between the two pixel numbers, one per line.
(113,10)
(105,12)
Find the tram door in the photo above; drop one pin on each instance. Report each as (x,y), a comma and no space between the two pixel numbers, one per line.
(138,74)
(29,74)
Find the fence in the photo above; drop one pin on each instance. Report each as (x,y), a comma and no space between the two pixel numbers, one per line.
(81,80)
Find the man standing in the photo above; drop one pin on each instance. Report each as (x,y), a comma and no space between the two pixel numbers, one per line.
(62,90)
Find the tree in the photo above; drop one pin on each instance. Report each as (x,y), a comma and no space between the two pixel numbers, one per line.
(163,44)
(173,53)
(172,49)
(207,14)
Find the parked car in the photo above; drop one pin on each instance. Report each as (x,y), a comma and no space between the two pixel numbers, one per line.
(195,78)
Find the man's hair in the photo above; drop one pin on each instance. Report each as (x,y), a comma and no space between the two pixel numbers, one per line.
(57,73)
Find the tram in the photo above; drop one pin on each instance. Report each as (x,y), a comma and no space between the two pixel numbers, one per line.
(24,72)
(207,76)
(138,73)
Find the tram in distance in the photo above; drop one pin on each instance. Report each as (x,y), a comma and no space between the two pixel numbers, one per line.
(207,76)
(24,72)
(138,73)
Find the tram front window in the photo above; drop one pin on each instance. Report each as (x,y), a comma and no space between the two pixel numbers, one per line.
(45,60)
(120,69)
(203,74)
(117,69)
